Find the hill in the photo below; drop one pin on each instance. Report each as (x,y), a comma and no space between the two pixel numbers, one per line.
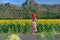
(52,8)
(10,11)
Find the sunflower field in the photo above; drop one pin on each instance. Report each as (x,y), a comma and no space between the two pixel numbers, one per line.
(24,26)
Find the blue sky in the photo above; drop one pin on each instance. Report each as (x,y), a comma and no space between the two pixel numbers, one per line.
(19,2)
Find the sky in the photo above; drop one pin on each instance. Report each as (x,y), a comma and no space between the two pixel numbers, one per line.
(20,2)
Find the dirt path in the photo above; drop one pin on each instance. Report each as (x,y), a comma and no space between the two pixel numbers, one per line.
(31,37)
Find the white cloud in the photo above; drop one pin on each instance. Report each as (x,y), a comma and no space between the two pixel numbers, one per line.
(4,1)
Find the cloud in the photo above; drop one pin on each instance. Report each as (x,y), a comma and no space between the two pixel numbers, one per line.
(4,1)
(48,1)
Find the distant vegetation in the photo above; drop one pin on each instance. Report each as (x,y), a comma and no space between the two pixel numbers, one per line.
(10,11)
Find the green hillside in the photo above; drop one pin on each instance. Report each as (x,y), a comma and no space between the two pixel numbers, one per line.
(10,11)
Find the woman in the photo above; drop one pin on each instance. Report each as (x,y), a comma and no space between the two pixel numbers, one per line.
(33,27)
